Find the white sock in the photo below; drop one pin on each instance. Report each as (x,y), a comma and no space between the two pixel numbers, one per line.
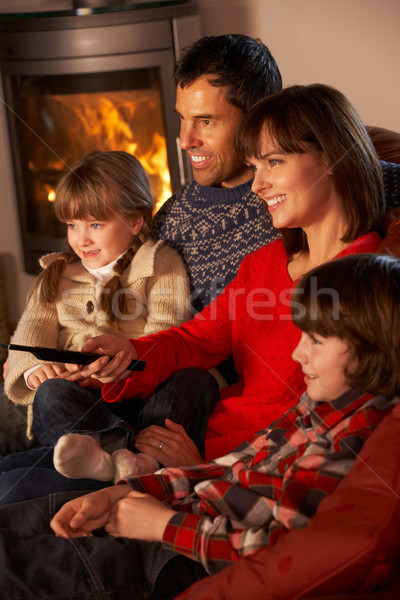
(128,464)
(79,456)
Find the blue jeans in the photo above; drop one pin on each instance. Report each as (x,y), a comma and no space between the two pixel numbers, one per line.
(62,407)
(36,565)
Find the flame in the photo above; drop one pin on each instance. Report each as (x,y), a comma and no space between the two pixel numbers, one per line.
(126,120)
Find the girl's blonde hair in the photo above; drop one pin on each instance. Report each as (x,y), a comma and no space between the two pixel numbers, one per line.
(101,185)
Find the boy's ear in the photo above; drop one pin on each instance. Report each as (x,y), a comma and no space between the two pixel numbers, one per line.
(326,164)
(136,225)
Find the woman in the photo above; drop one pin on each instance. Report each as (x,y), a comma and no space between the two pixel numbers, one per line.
(318,173)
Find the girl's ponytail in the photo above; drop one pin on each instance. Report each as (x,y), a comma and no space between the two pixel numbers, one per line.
(112,301)
(46,284)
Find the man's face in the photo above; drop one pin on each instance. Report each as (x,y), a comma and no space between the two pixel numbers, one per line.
(208,125)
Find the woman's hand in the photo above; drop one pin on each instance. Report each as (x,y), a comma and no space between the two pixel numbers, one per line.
(43,373)
(177,448)
(119,353)
(80,516)
(139,516)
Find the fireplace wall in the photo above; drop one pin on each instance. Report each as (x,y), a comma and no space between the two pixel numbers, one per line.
(56,51)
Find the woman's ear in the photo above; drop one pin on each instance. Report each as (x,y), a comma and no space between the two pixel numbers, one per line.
(136,225)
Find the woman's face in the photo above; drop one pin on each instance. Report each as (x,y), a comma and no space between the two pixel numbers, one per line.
(297,188)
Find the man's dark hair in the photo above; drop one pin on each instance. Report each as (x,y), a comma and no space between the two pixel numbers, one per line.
(241,63)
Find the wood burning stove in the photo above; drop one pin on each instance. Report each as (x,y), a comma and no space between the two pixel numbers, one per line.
(86,78)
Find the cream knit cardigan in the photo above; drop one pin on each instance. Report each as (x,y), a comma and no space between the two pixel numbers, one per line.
(157,294)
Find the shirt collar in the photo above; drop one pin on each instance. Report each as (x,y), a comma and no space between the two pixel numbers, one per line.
(105,272)
(325,415)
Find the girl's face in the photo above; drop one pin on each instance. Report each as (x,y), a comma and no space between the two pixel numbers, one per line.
(323,360)
(297,188)
(98,243)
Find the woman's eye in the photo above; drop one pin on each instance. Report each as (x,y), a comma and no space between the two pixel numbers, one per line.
(274,161)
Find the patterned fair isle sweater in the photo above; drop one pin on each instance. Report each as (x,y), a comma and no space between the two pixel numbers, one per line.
(213,229)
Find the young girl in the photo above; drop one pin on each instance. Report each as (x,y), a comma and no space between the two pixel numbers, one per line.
(215,513)
(113,279)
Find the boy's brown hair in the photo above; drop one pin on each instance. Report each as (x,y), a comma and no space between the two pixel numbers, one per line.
(357,298)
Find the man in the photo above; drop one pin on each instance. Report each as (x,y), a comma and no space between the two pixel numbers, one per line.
(217,220)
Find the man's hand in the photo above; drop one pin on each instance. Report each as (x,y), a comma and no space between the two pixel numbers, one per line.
(43,373)
(80,516)
(177,448)
(139,516)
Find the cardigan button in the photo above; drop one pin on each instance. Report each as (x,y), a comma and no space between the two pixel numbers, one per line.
(89,307)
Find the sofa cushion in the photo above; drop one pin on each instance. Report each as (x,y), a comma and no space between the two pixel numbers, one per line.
(350,545)
(386,142)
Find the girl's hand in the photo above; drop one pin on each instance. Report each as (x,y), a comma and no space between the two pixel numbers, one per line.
(139,516)
(177,448)
(42,374)
(80,516)
(73,373)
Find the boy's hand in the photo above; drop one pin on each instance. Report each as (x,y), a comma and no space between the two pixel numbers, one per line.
(43,373)
(80,516)
(139,516)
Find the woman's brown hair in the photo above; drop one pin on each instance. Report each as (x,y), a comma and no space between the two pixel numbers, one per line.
(101,185)
(323,117)
(357,298)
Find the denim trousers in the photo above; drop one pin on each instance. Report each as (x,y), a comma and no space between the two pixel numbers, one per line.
(62,407)
(35,564)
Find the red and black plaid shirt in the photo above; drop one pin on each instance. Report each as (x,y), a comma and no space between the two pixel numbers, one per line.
(232,506)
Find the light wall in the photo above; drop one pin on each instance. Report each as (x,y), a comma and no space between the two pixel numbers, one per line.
(353,45)
(350,44)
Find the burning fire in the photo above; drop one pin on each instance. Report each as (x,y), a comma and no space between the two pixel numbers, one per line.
(126,120)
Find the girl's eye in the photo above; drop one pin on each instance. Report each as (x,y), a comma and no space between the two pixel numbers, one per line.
(70,225)
(96,225)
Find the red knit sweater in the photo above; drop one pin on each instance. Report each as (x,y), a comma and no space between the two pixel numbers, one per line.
(252,320)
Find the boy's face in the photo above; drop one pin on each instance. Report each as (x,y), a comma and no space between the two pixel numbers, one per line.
(323,360)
